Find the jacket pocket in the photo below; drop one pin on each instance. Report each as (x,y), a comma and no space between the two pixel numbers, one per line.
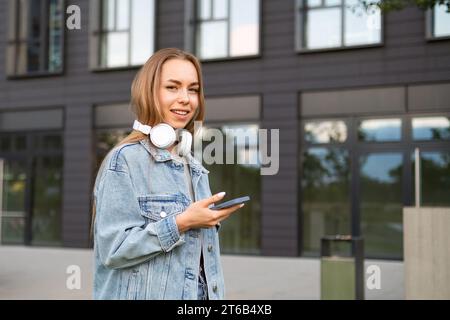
(159,206)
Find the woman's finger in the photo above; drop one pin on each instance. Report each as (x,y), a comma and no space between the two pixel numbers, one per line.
(208,201)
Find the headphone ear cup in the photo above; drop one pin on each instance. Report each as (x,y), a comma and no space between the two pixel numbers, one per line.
(184,142)
(162,135)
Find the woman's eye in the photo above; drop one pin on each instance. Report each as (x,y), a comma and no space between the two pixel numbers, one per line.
(194,90)
(171,87)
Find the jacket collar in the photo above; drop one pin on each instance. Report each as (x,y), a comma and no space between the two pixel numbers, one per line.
(162,155)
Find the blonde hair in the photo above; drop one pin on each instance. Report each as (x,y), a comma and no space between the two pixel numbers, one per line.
(144,98)
(144,91)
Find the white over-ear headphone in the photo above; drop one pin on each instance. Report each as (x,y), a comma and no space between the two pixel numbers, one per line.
(163,136)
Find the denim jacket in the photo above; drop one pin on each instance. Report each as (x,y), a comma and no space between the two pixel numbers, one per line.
(139,252)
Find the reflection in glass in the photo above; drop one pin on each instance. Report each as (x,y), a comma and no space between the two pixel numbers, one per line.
(204,9)
(380,130)
(5,143)
(13,181)
(212,39)
(123,14)
(47,196)
(36,44)
(325,23)
(220,9)
(241,142)
(108,16)
(381,204)
(435,178)
(20,142)
(115,49)
(431,128)
(325,195)
(313,3)
(325,131)
(13,142)
(127,37)
(441,21)
(244,25)
(50,141)
(361,27)
(330,3)
(142,35)
(227,29)
(240,233)
(323,28)
(106,140)
(55,35)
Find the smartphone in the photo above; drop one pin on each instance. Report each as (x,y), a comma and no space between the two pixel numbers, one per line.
(230,203)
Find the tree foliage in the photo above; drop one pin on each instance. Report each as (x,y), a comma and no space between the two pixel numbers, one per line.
(393,5)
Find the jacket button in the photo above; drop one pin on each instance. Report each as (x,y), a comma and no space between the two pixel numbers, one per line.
(163,214)
(210,248)
(214,288)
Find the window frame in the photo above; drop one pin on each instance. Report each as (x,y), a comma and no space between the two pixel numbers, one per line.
(300,31)
(355,148)
(429,28)
(191,27)
(13,40)
(96,34)
(425,144)
(28,155)
(357,120)
(217,124)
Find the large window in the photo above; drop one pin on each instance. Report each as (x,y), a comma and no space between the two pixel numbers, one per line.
(47,186)
(379,130)
(226,28)
(434,162)
(237,172)
(35,37)
(31,177)
(380,203)
(431,128)
(112,124)
(122,32)
(357,175)
(324,24)
(325,182)
(435,178)
(439,22)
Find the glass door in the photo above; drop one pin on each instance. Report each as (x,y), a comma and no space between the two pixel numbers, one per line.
(381,203)
(46,200)
(13,181)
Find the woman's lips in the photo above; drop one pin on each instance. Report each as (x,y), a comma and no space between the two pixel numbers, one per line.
(180,114)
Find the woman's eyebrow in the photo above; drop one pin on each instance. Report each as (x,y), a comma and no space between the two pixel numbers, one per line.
(179,82)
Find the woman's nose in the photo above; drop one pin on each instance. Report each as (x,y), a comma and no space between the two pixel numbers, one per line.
(183,95)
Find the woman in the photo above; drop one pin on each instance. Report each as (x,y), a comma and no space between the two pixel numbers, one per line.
(154,234)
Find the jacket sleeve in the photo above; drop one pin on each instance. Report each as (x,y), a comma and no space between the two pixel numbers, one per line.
(120,236)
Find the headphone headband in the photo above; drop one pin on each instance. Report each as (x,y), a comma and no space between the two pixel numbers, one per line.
(141,127)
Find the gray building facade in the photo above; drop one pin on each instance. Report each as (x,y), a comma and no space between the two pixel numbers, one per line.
(350,117)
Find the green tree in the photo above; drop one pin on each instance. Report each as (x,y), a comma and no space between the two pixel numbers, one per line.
(393,5)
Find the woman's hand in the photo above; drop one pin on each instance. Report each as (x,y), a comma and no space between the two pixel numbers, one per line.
(198,215)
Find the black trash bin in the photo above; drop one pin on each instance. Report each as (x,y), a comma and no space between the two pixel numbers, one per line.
(342,268)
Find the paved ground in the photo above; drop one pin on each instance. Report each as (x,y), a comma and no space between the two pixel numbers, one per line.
(41,273)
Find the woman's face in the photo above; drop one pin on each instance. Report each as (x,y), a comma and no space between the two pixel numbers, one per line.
(178,92)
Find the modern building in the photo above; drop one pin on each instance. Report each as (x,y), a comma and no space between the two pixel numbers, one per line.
(353,93)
